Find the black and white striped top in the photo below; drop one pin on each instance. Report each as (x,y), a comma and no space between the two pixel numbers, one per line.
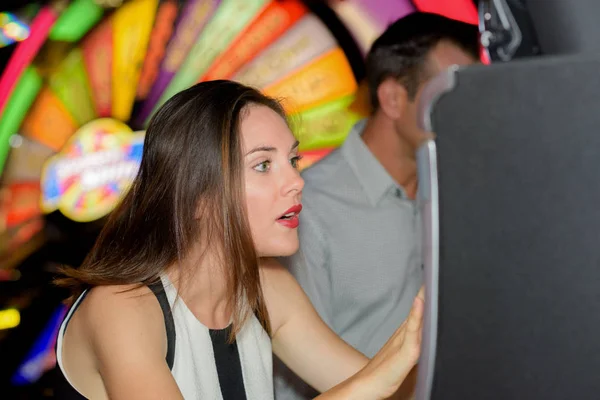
(203,364)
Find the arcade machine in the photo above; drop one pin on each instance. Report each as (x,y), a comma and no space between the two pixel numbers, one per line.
(83,79)
(509,198)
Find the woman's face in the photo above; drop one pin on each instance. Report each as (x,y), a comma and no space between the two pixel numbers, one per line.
(273,183)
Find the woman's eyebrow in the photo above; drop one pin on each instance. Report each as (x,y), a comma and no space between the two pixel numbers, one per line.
(270,148)
(261,148)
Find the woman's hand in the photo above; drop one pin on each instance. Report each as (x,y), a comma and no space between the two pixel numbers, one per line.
(321,358)
(391,365)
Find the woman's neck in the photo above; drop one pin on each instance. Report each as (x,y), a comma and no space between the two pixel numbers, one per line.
(201,282)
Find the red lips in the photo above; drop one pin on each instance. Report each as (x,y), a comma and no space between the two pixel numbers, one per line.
(289,218)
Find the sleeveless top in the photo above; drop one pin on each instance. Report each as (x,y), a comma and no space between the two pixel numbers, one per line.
(204,365)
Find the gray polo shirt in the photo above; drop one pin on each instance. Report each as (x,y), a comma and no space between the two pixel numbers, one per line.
(359,259)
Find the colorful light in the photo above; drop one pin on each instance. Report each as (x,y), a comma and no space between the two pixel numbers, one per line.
(9,318)
(87,179)
(460,10)
(120,72)
(312,156)
(41,357)
(12,29)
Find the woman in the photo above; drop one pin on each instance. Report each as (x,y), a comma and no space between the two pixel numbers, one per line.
(179,297)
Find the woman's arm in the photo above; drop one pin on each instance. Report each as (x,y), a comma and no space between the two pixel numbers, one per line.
(322,359)
(300,338)
(127,343)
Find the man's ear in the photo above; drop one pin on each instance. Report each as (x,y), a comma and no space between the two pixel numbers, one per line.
(392,98)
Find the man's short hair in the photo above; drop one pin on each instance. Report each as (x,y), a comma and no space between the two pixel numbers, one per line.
(401,51)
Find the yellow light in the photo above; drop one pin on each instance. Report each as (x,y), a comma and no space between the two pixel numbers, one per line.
(9,318)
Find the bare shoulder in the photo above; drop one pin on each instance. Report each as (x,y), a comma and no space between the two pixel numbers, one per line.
(115,327)
(277,282)
(121,316)
(122,304)
(115,314)
(284,297)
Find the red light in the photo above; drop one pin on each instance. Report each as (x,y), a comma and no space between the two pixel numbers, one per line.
(461,10)
(484,56)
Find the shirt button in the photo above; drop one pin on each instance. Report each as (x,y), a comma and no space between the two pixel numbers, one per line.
(398,193)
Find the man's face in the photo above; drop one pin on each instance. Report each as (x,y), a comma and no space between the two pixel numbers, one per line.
(444,55)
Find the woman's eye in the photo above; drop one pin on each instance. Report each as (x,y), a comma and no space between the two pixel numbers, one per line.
(263,166)
(295,161)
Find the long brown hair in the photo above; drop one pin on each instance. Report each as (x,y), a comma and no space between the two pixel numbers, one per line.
(192,160)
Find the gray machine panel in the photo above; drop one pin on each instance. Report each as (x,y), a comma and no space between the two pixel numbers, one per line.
(429,207)
(512,257)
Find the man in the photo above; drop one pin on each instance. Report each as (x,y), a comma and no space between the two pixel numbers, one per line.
(360,257)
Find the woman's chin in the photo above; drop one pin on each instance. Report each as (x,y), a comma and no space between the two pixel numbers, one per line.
(282,250)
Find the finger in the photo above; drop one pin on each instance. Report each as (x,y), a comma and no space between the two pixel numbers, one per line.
(398,336)
(415,318)
(421,293)
(401,331)
(411,346)
(412,324)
